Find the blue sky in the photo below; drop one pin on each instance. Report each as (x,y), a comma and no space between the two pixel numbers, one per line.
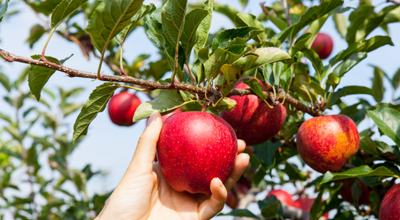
(109,147)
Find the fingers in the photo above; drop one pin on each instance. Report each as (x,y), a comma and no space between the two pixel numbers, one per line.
(212,206)
(241,145)
(241,162)
(146,148)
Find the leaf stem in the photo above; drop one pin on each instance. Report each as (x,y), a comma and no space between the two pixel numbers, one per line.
(47,42)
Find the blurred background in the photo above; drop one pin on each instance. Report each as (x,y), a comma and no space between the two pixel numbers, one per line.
(108,148)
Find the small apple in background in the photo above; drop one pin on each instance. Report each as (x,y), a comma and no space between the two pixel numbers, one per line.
(195,147)
(252,119)
(390,206)
(323,45)
(232,200)
(284,197)
(122,107)
(241,188)
(325,143)
(347,195)
(305,204)
(164,117)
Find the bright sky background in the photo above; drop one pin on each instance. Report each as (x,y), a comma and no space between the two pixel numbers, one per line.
(109,147)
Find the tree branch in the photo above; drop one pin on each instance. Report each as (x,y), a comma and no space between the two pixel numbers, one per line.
(393,1)
(156,85)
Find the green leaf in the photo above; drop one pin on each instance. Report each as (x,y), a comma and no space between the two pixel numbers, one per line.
(350,90)
(270,207)
(357,19)
(386,151)
(63,10)
(39,75)
(5,81)
(396,80)
(315,60)
(3,9)
(172,16)
(36,33)
(265,153)
(144,10)
(226,10)
(340,24)
(368,145)
(204,27)
(278,69)
(362,171)
(224,38)
(256,87)
(221,57)
(227,78)
(269,55)
(166,102)
(96,103)
(110,18)
(249,20)
(240,213)
(189,33)
(243,3)
(377,83)
(349,63)
(294,173)
(226,104)
(387,120)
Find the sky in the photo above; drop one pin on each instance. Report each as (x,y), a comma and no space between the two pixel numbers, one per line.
(109,147)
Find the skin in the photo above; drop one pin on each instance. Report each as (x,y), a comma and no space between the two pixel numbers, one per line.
(325,143)
(143,192)
(164,117)
(323,45)
(252,119)
(122,107)
(390,206)
(194,148)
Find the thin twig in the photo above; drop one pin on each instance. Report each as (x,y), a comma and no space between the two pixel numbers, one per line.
(393,1)
(286,8)
(156,85)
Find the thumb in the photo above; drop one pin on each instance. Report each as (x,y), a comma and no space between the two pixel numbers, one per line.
(146,148)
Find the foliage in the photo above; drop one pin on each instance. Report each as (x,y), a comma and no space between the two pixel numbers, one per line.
(212,63)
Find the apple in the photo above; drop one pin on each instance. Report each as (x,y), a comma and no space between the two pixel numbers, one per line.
(390,206)
(252,119)
(249,150)
(122,107)
(323,45)
(325,143)
(305,204)
(164,117)
(195,147)
(347,195)
(284,197)
(241,188)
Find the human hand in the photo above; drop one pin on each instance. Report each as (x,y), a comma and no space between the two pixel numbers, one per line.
(144,193)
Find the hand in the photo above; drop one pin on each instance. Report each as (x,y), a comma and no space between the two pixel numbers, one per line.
(143,192)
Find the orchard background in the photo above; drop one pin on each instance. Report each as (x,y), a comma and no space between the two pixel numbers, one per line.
(44,176)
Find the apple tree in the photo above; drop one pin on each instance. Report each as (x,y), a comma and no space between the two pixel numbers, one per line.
(278,62)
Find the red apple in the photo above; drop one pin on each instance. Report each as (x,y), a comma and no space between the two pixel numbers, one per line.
(241,188)
(305,204)
(195,147)
(390,206)
(249,150)
(232,200)
(347,195)
(252,119)
(284,197)
(323,45)
(164,117)
(122,107)
(325,143)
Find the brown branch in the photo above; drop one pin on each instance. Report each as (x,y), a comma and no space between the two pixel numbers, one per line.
(393,1)
(156,85)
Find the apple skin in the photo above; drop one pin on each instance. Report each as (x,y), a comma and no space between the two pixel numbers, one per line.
(122,107)
(164,117)
(390,206)
(195,147)
(325,143)
(252,119)
(232,200)
(284,197)
(305,204)
(241,188)
(347,195)
(323,45)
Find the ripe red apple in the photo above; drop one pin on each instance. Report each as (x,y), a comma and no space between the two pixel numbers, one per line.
(241,188)
(390,206)
(305,204)
(323,45)
(284,197)
(252,119)
(232,200)
(122,107)
(195,147)
(325,143)
(164,117)
(347,195)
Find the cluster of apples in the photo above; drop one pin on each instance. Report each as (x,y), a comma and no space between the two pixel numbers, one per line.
(195,147)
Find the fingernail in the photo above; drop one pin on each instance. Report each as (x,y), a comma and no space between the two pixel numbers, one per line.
(220,182)
(152,118)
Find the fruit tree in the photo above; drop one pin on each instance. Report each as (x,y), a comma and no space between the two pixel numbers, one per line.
(287,77)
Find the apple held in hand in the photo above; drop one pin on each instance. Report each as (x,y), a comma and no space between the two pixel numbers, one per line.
(122,107)
(195,147)
(323,45)
(325,143)
(252,119)
(390,206)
